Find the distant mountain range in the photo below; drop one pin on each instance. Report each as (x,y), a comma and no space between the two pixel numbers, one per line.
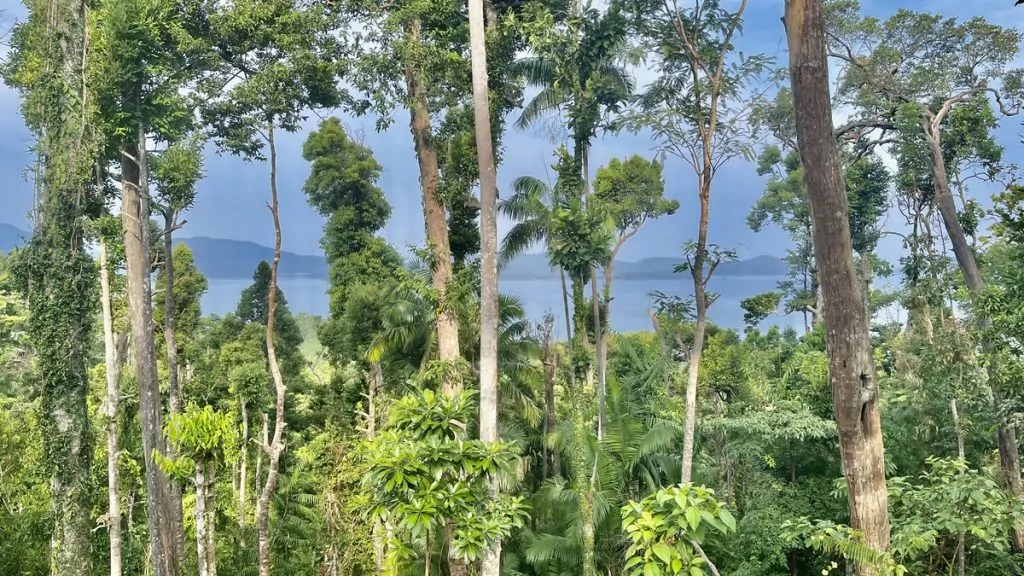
(536,267)
(222,258)
(219,258)
(11,237)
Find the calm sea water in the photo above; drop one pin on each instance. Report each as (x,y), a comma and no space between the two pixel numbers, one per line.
(630,302)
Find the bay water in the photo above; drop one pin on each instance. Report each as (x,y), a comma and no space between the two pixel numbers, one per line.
(630,303)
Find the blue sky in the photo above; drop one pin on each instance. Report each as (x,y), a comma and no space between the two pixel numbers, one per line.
(231,198)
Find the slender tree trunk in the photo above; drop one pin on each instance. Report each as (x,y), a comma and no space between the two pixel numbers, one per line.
(276,445)
(433,210)
(211,523)
(961,454)
(1006,434)
(135,221)
(701,309)
(692,378)
(491,565)
(200,481)
(377,531)
(173,389)
(550,368)
(565,303)
(112,362)
(243,467)
(599,345)
(602,343)
(581,483)
(851,366)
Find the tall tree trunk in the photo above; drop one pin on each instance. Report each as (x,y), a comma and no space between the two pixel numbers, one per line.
(200,481)
(1006,434)
(851,366)
(434,217)
(491,565)
(173,388)
(701,308)
(135,221)
(275,447)
(61,278)
(436,223)
(112,353)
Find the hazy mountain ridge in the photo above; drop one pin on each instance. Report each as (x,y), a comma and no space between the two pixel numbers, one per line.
(536,267)
(221,258)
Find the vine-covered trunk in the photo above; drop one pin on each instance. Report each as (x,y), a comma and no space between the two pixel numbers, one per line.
(851,366)
(61,278)
(434,217)
(135,220)
(1006,434)
(112,353)
(173,387)
(491,563)
(581,481)
(275,447)
(700,303)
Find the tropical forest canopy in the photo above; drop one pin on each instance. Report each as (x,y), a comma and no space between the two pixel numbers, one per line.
(426,425)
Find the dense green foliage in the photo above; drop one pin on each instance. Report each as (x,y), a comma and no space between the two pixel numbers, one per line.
(382,471)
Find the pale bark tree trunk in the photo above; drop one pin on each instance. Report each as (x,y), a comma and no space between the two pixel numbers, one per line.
(491,565)
(135,221)
(565,304)
(550,362)
(377,531)
(275,447)
(434,216)
(243,466)
(1006,434)
(113,353)
(211,525)
(707,113)
(851,366)
(961,561)
(173,388)
(692,377)
(201,542)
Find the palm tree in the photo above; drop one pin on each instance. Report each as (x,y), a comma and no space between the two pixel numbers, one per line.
(408,338)
(532,206)
(583,80)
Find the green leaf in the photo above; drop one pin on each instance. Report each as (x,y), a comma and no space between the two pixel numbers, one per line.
(663,551)
(693,518)
(652,569)
(728,519)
